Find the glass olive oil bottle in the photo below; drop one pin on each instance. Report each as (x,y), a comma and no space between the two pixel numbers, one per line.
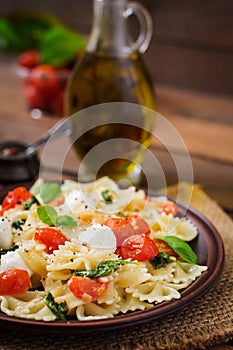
(112,70)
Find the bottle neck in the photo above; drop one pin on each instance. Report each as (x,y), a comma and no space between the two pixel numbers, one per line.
(109,34)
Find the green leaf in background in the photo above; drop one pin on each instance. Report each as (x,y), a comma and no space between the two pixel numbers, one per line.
(23,30)
(47,215)
(66,220)
(49,191)
(181,248)
(60,45)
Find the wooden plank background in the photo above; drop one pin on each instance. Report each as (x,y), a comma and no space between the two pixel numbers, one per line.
(192,46)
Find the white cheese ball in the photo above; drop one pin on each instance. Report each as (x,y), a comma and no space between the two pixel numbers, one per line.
(100,237)
(75,201)
(13,260)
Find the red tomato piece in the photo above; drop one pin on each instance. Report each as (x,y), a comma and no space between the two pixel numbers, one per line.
(51,237)
(45,78)
(29,59)
(34,97)
(87,289)
(59,200)
(163,247)
(139,225)
(170,207)
(138,247)
(18,196)
(56,103)
(121,228)
(14,281)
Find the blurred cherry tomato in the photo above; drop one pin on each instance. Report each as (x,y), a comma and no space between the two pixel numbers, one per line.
(14,281)
(138,247)
(163,247)
(121,228)
(170,207)
(45,78)
(139,225)
(18,196)
(86,288)
(56,103)
(51,237)
(34,98)
(29,59)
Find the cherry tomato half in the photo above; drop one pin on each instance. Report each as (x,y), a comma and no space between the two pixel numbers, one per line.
(18,196)
(87,289)
(14,281)
(51,237)
(138,247)
(170,207)
(163,247)
(139,225)
(29,59)
(121,228)
(44,77)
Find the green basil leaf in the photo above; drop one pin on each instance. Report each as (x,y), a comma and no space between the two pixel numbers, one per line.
(22,31)
(106,194)
(58,309)
(160,260)
(17,224)
(9,39)
(33,200)
(49,191)
(47,215)
(66,220)
(181,248)
(104,268)
(60,45)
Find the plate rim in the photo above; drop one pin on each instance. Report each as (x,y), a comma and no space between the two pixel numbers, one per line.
(198,288)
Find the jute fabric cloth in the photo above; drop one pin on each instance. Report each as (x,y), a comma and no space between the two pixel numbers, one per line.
(205,322)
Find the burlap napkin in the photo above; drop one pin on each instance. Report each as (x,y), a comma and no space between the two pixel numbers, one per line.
(205,322)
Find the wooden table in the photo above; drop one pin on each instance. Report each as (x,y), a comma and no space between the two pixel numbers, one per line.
(205,122)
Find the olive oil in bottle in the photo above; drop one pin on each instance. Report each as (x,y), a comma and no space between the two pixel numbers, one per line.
(112,70)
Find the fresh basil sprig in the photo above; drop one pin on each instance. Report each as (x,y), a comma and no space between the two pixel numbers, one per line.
(160,260)
(182,248)
(49,216)
(104,268)
(66,220)
(49,191)
(57,44)
(58,309)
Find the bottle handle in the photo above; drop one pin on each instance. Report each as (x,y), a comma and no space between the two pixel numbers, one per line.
(145,21)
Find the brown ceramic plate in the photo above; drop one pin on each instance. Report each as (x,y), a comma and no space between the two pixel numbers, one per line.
(210,251)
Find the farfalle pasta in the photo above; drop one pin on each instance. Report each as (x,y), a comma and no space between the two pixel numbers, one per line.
(91,251)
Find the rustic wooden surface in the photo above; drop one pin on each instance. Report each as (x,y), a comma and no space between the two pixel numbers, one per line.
(192,45)
(204,122)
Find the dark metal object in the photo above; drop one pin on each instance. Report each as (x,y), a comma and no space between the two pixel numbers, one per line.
(18,167)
